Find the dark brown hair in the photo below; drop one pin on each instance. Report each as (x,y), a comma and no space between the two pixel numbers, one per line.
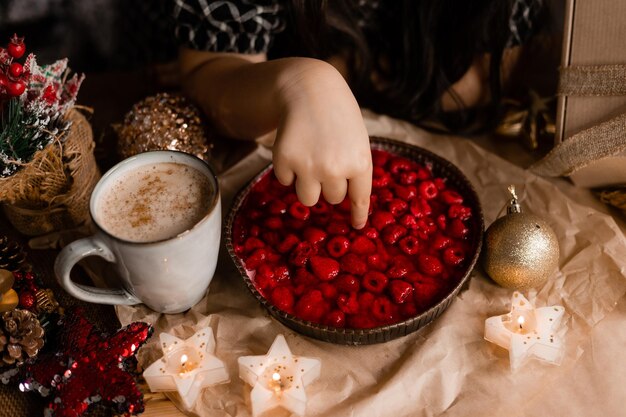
(417,48)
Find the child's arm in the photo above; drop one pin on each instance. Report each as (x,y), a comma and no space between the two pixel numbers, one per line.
(321,140)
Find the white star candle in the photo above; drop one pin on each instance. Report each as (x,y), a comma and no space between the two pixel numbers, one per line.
(187,366)
(278,378)
(528,332)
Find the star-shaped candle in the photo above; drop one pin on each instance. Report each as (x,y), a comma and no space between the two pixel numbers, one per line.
(528,332)
(187,366)
(278,378)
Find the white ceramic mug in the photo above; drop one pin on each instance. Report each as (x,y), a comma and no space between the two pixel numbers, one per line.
(169,276)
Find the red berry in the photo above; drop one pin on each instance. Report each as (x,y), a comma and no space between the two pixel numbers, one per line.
(376,262)
(335,318)
(400,291)
(408,221)
(400,267)
(398,164)
(27,300)
(406,193)
(300,255)
(457,229)
(338,228)
(255,259)
(380,158)
(352,264)
(281,273)
(271,238)
(282,297)
(299,211)
(15,89)
(361,321)
(338,246)
(380,178)
(288,243)
(366,299)
(385,195)
(393,233)
(329,291)
(17,47)
(457,211)
(348,303)
(451,197)
(324,268)
(409,245)
(311,306)
(277,207)
(345,205)
(408,309)
(16,69)
(273,223)
(396,207)
(304,278)
(408,177)
(440,183)
(440,242)
(420,208)
(425,291)
(321,207)
(442,222)
(427,190)
(413,277)
(453,256)
(382,309)
(362,246)
(314,235)
(347,283)
(375,282)
(253,243)
(381,219)
(429,265)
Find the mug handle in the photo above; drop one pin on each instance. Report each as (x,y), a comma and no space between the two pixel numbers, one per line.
(74,252)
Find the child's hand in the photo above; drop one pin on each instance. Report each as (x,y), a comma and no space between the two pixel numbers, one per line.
(322,143)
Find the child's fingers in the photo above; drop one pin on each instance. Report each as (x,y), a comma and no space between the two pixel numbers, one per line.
(335,190)
(308,190)
(359,190)
(283,173)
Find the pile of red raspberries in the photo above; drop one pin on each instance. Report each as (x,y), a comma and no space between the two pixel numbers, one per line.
(309,261)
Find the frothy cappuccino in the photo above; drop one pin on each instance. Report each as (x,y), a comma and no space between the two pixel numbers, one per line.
(154,202)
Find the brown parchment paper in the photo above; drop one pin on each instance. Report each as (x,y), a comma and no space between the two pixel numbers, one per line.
(446,368)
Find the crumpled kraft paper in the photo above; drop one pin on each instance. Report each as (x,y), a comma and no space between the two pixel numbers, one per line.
(446,368)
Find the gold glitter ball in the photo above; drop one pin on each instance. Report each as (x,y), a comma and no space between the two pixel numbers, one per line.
(163,122)
(521,251)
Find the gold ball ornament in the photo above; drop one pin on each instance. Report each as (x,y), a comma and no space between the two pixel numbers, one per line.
(163,122)
(521,250)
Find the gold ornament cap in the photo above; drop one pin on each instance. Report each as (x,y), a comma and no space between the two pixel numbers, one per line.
(521,250)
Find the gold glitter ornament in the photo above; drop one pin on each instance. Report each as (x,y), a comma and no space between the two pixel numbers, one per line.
(521,250)
(163,122)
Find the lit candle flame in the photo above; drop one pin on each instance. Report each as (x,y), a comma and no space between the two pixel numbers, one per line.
(277,383)
(183,363)
(520,321)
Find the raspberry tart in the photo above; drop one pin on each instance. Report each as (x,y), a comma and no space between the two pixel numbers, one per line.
(323,278)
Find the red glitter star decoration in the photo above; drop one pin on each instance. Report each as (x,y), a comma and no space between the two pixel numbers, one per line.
(89,367)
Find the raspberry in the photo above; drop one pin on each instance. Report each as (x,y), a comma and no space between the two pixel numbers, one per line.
(365,299)
(376,262)
(427,225)
(256,258)
(321,207)
(382,309)
(277,207)
(408,221)
(425,291)
(397,165)
(255,215)
(348,303)
(299,211)
(420,208)
(304,278)
(457,229)
(406,193)
(408,309)
(424,173)
(400,266)
(335,318)
(352,264)
(440,242)
(294,224)
(407,177)
(375,282)
(300,255)
(271,238)
(362,246)
(253,243)
(273,223)
(288,243)
(427,190)
(413,276)
(345,205)
(347,283)
(451,197)
(265,282)
(429,265)
(338,228)
(361,321)
(381,219)
(453,256)
(393,233)
(370,232)
(329,291)
(314,235)
(260,199)
(396,207)
(324,268)
(400,291)
(311,306)
(338,246)
(440,183)
(379,158)
(380,178)
(282,297)
(457,211)
(281,273)
(409,245)
(442,222)
(384,196)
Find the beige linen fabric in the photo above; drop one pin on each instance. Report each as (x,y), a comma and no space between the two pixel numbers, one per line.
(446,368)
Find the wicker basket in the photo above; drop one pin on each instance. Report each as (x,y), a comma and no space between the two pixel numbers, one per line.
(51,193)
(346,336)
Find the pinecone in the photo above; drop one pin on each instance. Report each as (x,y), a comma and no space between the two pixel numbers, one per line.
(21,336)
(12,255)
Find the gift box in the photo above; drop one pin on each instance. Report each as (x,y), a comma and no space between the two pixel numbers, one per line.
(591,93)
